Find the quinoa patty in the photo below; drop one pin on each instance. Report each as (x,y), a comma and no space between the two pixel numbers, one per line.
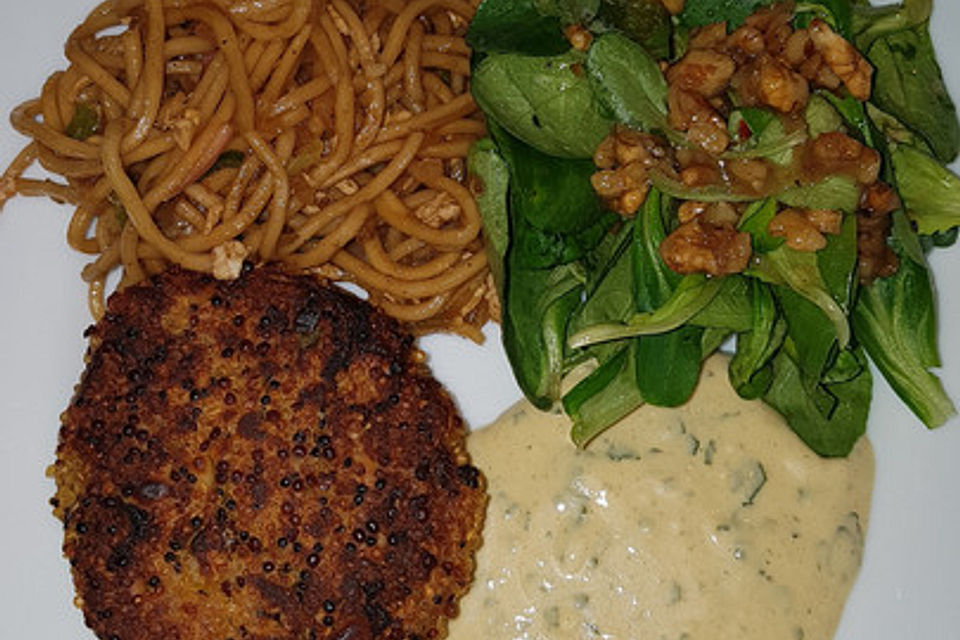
(261,459)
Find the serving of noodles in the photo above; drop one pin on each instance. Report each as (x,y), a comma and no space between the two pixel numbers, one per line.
(328,136)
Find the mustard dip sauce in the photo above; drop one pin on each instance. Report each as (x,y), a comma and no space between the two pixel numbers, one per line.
(708,522)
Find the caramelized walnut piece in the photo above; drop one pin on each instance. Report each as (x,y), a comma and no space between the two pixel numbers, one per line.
(875,257)
(605,157)
(720,214)
(835,153)
(632,146)
(776,64)
(765,81)
(608,183)
(695,82)
(683,107)
(825,220)
(750,174)
(673,6)
(697,168)
(746,41)
(797,230)
(623,159)
(624,189)
(693,113)
(710,134)
(701,247)
(631,201)
(700,175)
(799,48)
(702,71)
(774,22)
(690,209)
(711,36)
(579,37)
(843,59)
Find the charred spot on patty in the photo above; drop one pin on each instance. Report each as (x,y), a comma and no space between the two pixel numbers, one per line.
(263,458)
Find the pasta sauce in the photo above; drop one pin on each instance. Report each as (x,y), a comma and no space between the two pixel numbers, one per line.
(708,522)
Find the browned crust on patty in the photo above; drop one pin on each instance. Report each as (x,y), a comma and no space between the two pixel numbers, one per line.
(265,458)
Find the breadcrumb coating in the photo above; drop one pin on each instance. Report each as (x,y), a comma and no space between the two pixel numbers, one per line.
(261,459)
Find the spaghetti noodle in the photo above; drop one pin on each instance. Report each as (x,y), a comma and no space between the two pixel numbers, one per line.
(326,135)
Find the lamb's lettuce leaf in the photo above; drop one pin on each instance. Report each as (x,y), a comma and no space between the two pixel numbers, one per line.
(545,101)
(703,12)
(930,191)
(629,82)
(515,26)
(829,418)
(646,22)
(896,322)
(491,178)
(908,82)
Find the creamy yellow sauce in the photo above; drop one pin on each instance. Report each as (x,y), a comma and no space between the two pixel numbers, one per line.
(708,522)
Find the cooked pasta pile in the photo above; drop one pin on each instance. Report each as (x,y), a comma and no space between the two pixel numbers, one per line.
(326,135)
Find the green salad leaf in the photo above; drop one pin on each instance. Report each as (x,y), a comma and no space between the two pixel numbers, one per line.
(515,26)
(756,221)
(557,217)
(837,263)
(729,310)
(569,11)
(629,82)
(872,22)
(799,272)
(668,362)
(838,193)
(646,22)
(543,101)
(543,285)
(691,297)
(829,419)
(895,320)
(537,307)
(908,82)
(838,13)
(699,13)
(492,174)
(751,371)
(601,399)
(930,191)
(821,116)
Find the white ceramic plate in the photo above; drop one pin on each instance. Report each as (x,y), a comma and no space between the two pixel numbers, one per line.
(910,583)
